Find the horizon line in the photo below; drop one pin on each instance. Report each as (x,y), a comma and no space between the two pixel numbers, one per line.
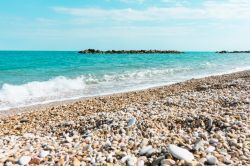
(37,50)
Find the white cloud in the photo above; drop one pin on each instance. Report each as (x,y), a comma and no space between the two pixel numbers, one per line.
(133,1)
(210,9)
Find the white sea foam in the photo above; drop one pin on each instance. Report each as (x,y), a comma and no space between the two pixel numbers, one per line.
(63,88)
(21,95)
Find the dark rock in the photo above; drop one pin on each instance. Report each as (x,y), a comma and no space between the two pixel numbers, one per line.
(93,51)
(232,52)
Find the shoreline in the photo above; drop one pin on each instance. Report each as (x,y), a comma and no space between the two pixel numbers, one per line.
(207,119)
(30,108)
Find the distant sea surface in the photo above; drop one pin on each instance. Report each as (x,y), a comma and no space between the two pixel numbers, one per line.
(35,77)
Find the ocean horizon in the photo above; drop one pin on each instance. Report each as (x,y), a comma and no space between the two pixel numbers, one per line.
(37,77)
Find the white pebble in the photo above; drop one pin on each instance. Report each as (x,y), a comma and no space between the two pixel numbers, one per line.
(210,149)
(24,160)
(125,158)
(43,154)
(213,141)
(180,153)
(140,162)
(131,161)
(146,150)
(211,160)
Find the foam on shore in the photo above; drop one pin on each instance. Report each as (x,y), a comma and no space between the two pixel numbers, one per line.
(62,88)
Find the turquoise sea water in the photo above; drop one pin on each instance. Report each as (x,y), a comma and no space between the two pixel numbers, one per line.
(32,77)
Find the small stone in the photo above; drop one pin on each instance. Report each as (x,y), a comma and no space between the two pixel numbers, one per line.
(140,162)
(144,142)
(131,122)
(144,158)
(43,154)
(167,162)
(198,145)
(196,134)
(83,163)
(34,161)
(146,150)
(109,158)
(76,162)
(210,123)
(24,160)
(69,123)
(92,161)
(193,163)
(125,158)
(61,161)
(210,149)
(69,139)
(228,161)
(211,160)
(158,160)
(202,160)
(150,152)
(24,120)
(213,141)
(132,161)
(180,153)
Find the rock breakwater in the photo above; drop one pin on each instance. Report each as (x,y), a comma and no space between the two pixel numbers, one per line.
(232,52)
(94,51)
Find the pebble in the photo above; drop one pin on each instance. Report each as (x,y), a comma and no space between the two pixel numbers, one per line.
(83,163)
(24,120)
(146,150)
(167,162)
(43,154)
(198,145)
(93,161)
(213,141)
(211,160)
(144,142)
(125,158)
(210,149)
(24,160)
(180,153)
(228,161)
(158,160)
(131,122)
(34,161)
(140,162)
(210,123)
(131,161)
(109,158)
(76,162)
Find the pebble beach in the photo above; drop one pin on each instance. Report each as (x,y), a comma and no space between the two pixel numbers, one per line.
(197,122)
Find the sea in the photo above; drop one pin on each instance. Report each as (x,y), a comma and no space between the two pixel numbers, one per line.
(37,77)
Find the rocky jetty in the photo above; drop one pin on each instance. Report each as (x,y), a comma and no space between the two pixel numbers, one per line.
(232,52)
(194,123)
(94,51)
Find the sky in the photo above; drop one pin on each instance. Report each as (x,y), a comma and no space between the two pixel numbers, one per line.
(185,25)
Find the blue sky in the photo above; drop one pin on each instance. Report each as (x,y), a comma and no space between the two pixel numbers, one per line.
(125,24)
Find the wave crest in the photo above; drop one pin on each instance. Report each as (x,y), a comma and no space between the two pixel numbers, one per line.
(61,88)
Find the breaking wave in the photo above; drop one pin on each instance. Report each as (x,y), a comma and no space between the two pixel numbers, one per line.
(61,88)
(64,88)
